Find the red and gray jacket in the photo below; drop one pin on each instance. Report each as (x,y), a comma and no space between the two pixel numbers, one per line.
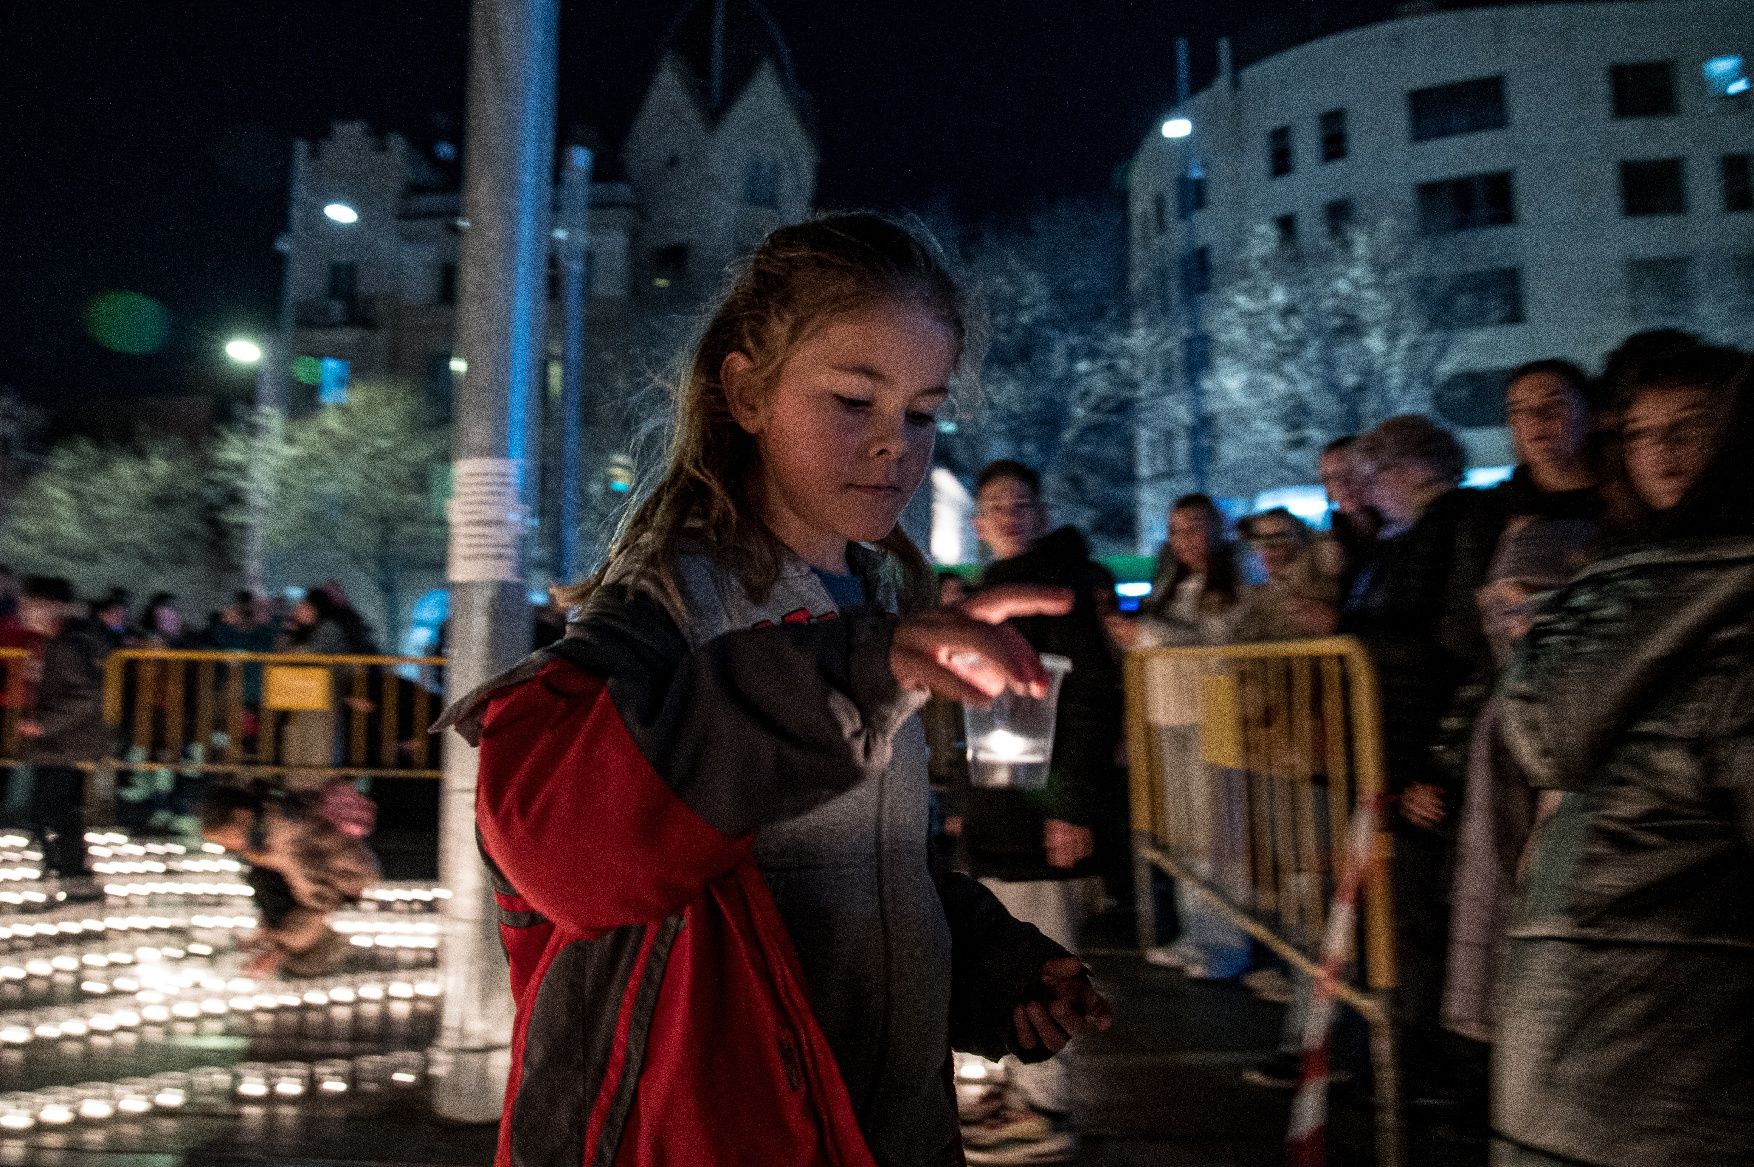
(724,947)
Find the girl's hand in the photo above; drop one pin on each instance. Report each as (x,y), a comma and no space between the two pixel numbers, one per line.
(1067,843)
(1074,1008)
(966,654)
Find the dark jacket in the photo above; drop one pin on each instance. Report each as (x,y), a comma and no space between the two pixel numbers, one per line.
(1626,1009)
(709,844)
(69,703)
(1002,829)
(1519,496)
(1413,607)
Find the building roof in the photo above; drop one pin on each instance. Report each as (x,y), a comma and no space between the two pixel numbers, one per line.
(720,45)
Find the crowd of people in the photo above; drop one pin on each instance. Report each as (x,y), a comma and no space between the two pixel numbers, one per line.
(1565,662)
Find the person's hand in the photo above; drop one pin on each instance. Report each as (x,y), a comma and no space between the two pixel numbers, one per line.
(30,729)
(1066,843)
(1422,804)
(360,704)
(953,826)
(1073,1009)
(965,653)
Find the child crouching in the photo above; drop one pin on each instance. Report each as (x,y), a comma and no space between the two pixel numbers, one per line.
(303,866)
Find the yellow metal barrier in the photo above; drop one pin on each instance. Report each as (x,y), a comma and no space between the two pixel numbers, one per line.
(303,716)
(15,678)
(1248,764)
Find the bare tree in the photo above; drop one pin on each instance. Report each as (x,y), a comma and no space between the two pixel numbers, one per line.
(1067,366)
(355,483)
(1310,344)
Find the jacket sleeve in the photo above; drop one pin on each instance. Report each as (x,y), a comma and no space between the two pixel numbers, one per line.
(995,965)
(616,782)
(70,695)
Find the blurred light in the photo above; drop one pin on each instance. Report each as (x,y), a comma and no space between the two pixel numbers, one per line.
(1136,590)
(332,379)
(459,366)
(1726,76)
(1177,128)
(127,322)
(1483,476)
(243,350)
(1308,503)
(341,213)
(307,370)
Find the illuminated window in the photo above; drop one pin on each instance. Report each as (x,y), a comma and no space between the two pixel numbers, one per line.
(1643,90)
(1466,107)
(1653,186)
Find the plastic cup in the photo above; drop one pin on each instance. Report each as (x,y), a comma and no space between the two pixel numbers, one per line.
(1011,742)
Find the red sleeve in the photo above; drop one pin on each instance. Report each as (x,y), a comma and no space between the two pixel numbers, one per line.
(578,820)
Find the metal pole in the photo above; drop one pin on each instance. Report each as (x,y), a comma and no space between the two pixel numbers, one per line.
(1194,345)
(507,191)
(271,374)
(571,243)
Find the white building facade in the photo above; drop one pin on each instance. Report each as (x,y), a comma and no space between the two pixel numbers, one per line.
(1583,169)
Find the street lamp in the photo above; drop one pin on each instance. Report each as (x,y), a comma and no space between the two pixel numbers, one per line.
(1176,128)
(243,350)
(341,213)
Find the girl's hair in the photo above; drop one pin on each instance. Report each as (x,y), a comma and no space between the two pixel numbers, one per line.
(1721,502)
(798,280)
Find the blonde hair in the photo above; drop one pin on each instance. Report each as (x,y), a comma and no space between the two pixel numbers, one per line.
(800,278)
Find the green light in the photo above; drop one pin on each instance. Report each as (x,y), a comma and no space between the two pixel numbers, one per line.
(127,322)
(307,370)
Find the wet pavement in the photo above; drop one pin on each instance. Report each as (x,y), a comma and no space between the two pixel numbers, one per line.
(127,1039)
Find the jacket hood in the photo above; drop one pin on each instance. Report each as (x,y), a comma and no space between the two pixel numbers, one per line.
(1608,641)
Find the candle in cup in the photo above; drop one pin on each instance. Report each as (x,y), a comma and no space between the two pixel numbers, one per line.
(1001,745)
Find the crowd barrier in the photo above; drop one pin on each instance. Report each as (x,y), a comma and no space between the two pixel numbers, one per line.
(301,716)
(1248,765)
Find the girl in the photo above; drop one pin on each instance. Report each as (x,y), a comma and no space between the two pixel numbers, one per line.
(705,809)
(1626,996)
(1194,591)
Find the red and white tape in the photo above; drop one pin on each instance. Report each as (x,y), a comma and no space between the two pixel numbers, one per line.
(1306,1140)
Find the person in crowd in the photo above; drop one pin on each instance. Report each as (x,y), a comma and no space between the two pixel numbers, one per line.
(161,623)
(304,865)
(1625,1033)
(1351,521)
(1413,607)
(37,616)
(319,625)
(64,732)
(774,898)
(1300,593)
(1552,509)
(1043,853)
(111,616)
(1196,586)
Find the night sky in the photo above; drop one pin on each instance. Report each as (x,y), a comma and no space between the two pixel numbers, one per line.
(143,144)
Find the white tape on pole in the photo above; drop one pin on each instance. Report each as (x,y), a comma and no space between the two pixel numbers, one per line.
(486,514)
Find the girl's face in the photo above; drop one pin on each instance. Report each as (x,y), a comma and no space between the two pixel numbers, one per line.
(1667,435)
(845,433)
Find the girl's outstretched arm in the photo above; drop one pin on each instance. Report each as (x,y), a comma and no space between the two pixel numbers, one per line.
(623,774)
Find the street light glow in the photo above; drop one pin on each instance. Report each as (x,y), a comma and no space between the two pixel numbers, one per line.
(341,213)
(243,350)
(1177,128)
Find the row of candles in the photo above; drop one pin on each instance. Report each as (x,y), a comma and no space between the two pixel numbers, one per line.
(203,995)
(179,1089)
